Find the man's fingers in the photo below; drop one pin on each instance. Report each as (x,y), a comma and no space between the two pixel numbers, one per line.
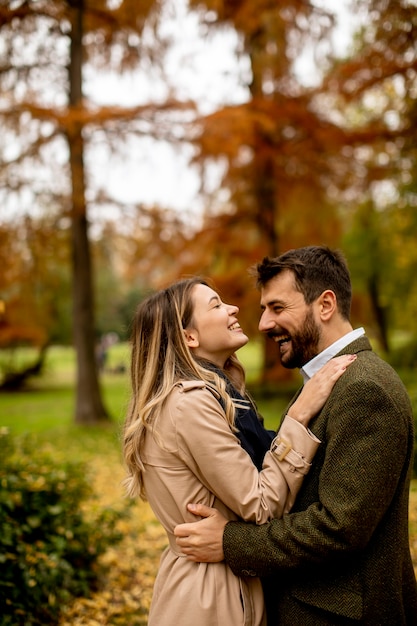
(201,509)
(186,544)
(202,541)
(183,530)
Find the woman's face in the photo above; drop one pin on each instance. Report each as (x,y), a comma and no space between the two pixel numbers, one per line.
(214,333)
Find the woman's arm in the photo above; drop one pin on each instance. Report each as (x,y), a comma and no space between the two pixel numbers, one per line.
(316,391)
(211,450)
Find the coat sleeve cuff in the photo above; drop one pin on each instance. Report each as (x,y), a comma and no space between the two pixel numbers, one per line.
(295,444)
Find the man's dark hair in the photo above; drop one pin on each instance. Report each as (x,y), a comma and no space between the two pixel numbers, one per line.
(315,269)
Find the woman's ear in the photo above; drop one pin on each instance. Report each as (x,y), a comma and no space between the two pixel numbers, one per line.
(191,337)
(328,304)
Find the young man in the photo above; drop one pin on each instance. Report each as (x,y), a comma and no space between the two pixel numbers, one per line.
(341,557)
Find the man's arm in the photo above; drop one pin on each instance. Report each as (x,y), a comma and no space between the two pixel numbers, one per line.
(367,453)
(358,464)
(202,541)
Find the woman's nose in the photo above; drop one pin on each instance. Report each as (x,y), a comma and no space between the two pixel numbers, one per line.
(232,309)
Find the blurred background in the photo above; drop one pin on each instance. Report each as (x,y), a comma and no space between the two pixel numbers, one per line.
(147,140)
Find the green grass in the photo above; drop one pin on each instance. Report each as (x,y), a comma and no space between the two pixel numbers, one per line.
(45,409)
(36,410)
(251,357)
(47,405)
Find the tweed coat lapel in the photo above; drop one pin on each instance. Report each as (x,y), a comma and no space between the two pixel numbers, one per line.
(318,426)
(359,345)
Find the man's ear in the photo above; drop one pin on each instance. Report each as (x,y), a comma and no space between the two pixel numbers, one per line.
(327,303)
(191,337)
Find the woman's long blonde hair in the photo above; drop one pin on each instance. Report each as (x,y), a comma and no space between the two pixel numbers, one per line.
(160,358)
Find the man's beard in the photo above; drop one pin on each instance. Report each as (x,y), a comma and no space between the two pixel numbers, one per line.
(304,344)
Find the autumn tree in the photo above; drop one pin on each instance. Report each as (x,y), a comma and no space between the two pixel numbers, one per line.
(279,148)
(50,125)
(34,292)
(374,91)
(302,161)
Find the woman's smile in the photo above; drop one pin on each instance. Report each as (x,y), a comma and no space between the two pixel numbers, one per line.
(214,332)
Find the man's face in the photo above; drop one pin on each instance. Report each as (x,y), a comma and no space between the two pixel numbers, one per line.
(289,321)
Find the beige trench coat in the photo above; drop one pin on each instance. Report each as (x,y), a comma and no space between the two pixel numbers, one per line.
(197,458)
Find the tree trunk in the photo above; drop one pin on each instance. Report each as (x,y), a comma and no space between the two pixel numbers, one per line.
(380,312)
(265,195)
(89,408)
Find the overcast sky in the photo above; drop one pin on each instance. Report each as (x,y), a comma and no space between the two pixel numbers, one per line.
(205,70)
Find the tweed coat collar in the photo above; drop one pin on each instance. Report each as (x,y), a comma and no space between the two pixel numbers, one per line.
(313,366)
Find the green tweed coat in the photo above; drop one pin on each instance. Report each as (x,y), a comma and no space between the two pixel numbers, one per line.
(342,555)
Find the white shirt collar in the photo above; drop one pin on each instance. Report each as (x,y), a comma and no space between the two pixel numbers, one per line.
(313,366)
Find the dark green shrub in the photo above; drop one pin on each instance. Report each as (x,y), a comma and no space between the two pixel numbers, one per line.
(49,539)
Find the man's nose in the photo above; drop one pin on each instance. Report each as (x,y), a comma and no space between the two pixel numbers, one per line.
(266,322)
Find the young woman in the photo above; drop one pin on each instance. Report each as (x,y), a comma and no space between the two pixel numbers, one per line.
(193,435)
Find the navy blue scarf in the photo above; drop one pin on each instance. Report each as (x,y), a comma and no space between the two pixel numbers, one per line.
(253,436)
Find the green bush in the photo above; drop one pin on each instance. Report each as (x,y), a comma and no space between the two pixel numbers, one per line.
(49,539)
